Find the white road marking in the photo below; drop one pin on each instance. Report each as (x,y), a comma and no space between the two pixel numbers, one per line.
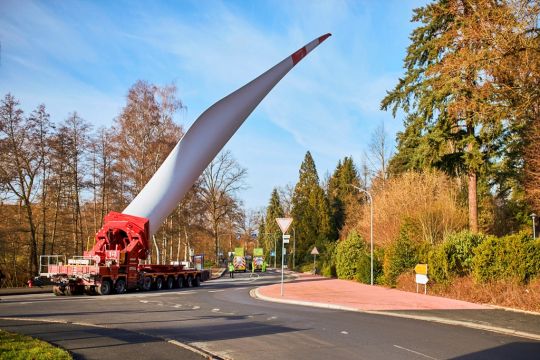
(215,310)
(415,352)
(242,288)
(345,332)
(272,318)
(215,291)
(195,307)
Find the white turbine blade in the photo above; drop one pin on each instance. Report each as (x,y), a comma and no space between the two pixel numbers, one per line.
(203,141)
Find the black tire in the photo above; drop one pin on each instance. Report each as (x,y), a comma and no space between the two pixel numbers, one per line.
(180,282)
(159,283)
(147,283)
(197,281)
(189,281)
(120,286)
(70,290)
(170,282)
(105,288)
(58,290)
(90,290)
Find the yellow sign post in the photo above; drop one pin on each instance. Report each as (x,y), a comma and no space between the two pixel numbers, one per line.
(421,276)
(421,269)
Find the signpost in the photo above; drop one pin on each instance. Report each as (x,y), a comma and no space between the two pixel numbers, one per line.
(314,252)
(284,224)
(421,276)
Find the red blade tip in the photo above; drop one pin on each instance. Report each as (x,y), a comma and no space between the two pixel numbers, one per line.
(324,37)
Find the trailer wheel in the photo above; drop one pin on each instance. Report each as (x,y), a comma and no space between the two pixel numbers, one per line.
(69,290)
(159,283)
(105,288)
(170,282)
(90,290)
(189,281)
(197,281)
(180,282)
(120,286)
(147,283)
(58,290)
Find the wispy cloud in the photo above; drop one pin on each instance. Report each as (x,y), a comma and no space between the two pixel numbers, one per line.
(84,56)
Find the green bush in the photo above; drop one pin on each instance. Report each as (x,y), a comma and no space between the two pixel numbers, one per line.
(328,260)
(400,256)
(514,257)
(438,264)
(352,259)
(459,250)
(453,257)
(306,268)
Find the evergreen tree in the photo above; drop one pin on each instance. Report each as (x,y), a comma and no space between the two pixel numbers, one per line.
(456,118)
(272,232)
(311,212)
(340,191)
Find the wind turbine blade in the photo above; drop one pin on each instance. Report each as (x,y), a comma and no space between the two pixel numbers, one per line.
(203,141)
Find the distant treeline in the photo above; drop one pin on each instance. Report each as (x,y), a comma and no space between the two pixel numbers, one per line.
(59,179)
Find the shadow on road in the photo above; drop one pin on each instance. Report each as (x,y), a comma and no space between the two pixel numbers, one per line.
(516,350)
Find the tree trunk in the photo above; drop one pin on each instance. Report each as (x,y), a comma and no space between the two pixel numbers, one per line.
(473,205)
(157,249)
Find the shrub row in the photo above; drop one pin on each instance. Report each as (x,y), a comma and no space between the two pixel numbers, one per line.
(487,258)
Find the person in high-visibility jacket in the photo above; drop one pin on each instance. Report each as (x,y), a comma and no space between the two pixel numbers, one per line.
(231,269)
(264,266)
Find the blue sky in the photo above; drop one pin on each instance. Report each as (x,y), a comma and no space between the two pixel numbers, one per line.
(84,55)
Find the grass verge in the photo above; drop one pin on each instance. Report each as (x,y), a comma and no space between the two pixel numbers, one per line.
(15,346)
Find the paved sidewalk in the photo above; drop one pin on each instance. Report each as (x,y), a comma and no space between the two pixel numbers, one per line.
(310,290)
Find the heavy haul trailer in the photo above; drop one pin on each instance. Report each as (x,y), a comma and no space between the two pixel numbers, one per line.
(115,263)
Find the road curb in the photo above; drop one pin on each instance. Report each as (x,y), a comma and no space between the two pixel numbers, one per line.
(257,295)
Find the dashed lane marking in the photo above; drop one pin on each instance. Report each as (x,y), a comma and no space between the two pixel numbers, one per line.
(415,352)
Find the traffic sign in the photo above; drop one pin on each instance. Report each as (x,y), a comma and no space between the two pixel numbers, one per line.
(284,223)
(315,251)
(286,238)
(421,279)
(421,269)
(421,276)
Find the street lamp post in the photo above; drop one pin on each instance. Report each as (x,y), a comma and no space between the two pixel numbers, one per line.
(533,215)
(370,223)
(294,248)
(275,251)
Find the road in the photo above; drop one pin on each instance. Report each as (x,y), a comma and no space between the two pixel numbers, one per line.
(221,318)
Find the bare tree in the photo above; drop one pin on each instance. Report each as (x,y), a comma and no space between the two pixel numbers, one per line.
(21,160)
(379,153)
(74,132)
(220,182)
(146,133)
(285,198)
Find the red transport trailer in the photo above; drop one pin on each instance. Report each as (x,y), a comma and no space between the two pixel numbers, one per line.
(116,263)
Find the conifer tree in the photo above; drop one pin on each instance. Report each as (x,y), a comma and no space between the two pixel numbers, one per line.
(340,191)
(456,117)
(272,233)
(311,212)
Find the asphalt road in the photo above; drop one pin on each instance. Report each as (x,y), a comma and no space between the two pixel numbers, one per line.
(222,319)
